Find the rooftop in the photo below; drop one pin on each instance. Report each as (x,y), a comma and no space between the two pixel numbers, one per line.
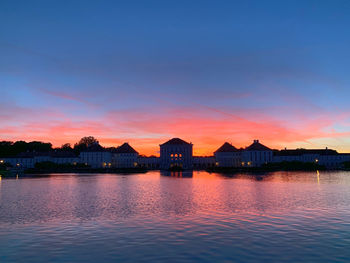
(125,148)
(227,147)
(176,141)
(305,151)
(257,146)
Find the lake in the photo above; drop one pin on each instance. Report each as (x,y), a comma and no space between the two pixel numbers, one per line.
(176,217)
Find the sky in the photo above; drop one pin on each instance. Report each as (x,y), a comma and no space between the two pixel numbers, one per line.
(205,71)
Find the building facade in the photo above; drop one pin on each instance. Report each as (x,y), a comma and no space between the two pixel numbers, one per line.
(125,156)
(227,156)
(329,158)
(176,153)
(256,155)
(29,159)
(96,157)
(203,162)
(149,162)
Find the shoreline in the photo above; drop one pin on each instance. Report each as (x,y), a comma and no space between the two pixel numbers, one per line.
(251,170)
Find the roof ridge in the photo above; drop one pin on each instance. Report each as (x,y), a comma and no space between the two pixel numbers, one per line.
(227,147)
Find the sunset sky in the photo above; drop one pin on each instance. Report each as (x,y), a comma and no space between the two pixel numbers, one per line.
(206,71)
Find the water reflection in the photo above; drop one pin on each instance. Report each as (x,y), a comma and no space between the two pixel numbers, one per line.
(178,174)
(176,197)
(283,216)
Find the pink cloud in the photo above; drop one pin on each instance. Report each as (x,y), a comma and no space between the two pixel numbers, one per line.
(207,128)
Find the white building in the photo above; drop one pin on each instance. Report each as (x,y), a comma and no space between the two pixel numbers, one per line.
(125,156)
(202,162)
(329,158)
(256,155)
(227,156)
(29,159)
(61,157)
(96,157)
(151,162)
(19,162)
(176,153)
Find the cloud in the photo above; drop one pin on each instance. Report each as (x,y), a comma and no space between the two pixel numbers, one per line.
(207,130)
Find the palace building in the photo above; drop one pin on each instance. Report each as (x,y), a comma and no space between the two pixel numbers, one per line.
(176,153)
(124,156)
(256,155)
(227,156)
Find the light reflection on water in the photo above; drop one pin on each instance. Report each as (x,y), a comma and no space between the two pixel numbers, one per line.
(276,217)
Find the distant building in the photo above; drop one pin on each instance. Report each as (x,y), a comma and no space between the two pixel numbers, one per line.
(151,162)
(179,153)
(96,156)
(256,155)
(176,153)
(329,158)
(125,156)
(29,159)
(62,157)
(227,156)
(202,162)
(22,161)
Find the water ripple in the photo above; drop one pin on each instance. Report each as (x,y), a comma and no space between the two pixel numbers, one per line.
(282,217)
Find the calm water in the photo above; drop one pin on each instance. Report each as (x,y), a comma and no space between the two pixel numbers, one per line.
(279,217)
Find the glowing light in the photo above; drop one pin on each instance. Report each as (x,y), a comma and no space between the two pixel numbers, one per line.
(135,164)
(243,163)
(18,165)
(1,161)
(217,163)
(316,160)
(249,163)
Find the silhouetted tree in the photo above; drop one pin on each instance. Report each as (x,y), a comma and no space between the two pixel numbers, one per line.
(39,146)
(6,148)
(87,141)
(84,143)
(66,147)
(10,149)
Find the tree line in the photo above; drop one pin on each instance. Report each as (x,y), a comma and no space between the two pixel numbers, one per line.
(12,149)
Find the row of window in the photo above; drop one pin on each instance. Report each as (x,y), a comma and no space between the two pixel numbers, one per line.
(176,155)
